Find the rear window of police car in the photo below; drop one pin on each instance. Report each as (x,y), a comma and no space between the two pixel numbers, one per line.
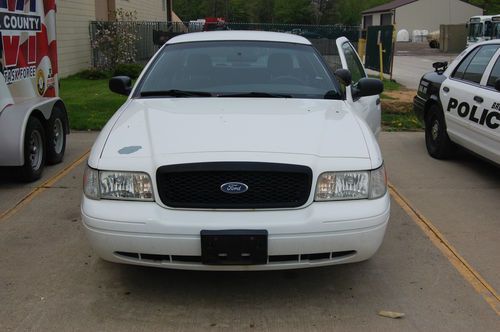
(473,66)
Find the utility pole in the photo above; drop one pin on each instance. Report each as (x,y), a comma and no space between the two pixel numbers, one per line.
(169,11)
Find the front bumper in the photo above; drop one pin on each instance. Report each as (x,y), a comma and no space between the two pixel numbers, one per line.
(323,233)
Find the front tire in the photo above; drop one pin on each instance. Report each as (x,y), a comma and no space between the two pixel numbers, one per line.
(56,137)
(34,151)
(437,141)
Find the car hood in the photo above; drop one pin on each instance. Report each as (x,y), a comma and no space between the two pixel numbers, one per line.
(170,126)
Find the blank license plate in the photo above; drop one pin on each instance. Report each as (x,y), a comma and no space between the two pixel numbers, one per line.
(234,247)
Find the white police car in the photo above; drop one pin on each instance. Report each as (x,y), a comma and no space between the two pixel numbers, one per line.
(460,104)
(240,151)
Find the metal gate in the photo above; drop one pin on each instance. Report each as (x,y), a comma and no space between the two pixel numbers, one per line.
(380,35)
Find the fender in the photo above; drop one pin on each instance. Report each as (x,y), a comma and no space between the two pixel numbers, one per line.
(427,94)
(13,120)
(433,99)
(371,142)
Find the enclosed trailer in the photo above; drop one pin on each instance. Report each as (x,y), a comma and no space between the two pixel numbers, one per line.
(33,119)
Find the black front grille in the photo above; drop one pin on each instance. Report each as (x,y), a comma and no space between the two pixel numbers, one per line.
(199,185)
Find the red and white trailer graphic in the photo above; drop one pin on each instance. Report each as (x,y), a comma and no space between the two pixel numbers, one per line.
(33,119)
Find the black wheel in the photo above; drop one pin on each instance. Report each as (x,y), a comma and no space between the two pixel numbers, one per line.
(56,137)
(34,151)
(434,44)
(437,141)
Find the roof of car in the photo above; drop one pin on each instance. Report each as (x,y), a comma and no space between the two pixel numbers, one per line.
(239,36)
(486,42)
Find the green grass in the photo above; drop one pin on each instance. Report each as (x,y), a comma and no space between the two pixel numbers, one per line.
(398,117)
(391,85)
(400,122)
(90,104)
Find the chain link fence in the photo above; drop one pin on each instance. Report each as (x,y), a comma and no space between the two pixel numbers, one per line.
(150,35)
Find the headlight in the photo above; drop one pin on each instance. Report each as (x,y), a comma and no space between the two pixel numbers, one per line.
(334,186)
(117,185)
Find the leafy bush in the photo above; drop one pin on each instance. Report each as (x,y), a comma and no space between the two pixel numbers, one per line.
(132,70)
(116,39)
(93,74)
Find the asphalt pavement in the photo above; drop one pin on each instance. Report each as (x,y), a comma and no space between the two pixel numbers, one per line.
(408,69)
(50,279)
(413,60)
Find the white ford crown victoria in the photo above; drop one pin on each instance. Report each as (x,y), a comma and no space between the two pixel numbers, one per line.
(240,151)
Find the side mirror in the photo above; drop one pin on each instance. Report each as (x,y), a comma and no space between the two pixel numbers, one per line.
(497,84)
(121,85)
(440,67)
(367,87)
(344,76)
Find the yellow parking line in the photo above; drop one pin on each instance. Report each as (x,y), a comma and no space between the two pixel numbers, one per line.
(465,269)
(44,186)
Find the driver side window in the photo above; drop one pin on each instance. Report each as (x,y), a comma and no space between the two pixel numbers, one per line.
(353,64)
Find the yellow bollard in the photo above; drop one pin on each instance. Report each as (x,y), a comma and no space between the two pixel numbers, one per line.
(362,48)
(381,53)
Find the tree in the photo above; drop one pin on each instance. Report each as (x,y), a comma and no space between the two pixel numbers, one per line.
(293,11)
(491,7)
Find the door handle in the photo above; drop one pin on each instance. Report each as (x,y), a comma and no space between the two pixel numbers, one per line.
(446,89)
(478,99)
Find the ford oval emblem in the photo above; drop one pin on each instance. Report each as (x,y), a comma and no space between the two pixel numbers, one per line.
(234,188)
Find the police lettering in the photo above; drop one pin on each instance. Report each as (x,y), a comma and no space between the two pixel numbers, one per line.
(486,117)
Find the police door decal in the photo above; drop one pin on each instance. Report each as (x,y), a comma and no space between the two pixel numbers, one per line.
(484,117)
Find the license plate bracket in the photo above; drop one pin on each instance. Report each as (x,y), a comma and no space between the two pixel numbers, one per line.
(234,247)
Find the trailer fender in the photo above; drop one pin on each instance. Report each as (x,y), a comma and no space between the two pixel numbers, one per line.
(13,120)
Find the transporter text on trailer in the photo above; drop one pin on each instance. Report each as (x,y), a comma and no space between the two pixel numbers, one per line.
(33,119)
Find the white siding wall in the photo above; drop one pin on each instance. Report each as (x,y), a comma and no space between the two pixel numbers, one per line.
(73,18)
(430,14)
(73,41)
(147,10)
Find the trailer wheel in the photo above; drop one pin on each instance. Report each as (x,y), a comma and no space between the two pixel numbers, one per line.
(56,137)
(34,151)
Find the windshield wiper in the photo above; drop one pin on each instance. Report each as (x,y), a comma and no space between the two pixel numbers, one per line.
(175,93)
(255,95)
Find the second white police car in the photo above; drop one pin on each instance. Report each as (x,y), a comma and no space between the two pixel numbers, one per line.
(240,151)
(460,104)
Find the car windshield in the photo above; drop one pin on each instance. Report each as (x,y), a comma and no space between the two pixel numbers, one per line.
(496,31)
(239,69)
(475,31)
